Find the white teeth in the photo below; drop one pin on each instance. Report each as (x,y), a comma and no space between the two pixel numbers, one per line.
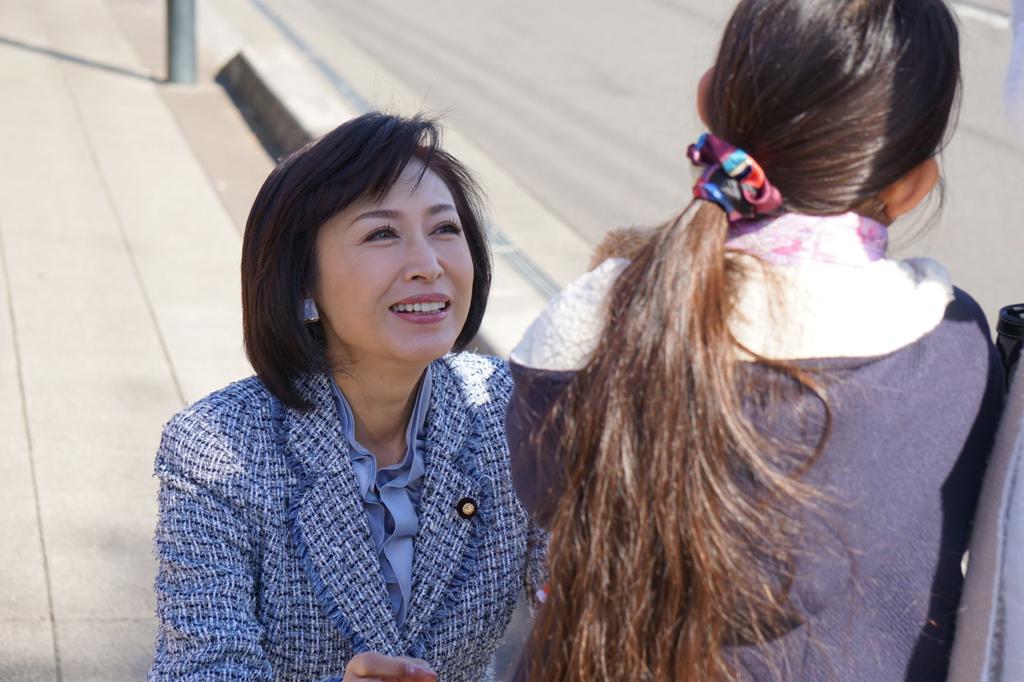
(418,307)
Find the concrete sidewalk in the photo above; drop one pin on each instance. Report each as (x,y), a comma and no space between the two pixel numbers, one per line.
(119,249)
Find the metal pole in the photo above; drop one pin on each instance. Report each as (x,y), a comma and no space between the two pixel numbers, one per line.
(181,41)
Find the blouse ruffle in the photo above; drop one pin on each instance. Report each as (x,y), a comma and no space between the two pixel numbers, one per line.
(391,495)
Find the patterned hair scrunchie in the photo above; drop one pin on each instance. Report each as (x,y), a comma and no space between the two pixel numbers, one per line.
(733,180)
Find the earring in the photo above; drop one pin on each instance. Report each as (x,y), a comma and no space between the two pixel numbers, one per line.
(309,312)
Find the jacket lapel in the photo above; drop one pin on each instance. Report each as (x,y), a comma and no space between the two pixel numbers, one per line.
(446,543)
(329,527)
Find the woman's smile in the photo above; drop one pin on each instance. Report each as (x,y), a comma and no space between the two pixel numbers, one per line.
(422,309)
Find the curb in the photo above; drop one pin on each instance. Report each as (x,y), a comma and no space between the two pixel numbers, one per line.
(278,128)
(282,98)
(287,102)
(290,96)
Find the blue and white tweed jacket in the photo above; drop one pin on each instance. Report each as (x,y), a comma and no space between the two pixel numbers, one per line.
(266,566)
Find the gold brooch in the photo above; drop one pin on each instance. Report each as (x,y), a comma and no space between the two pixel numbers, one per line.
(466,507)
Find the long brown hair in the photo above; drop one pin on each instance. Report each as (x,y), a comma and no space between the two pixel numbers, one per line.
(678,531)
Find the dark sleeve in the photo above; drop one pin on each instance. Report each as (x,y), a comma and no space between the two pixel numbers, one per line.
(537,470)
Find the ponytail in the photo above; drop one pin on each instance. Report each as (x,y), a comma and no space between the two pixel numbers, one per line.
(668,543)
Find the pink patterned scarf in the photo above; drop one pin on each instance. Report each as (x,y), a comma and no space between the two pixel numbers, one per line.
(792,238)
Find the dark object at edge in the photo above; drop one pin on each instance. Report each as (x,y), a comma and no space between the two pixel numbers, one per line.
(1010,337)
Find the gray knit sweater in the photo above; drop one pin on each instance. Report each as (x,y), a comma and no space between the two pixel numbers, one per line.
(266,566)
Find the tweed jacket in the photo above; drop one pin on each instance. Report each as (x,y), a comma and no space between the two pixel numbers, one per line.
(266,566)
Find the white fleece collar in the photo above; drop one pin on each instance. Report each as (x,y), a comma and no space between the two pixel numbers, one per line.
(810,310)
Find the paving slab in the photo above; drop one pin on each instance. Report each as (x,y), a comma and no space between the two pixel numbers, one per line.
(181,227)
(26,631)
(97,466)
(118,303)
(99,549)
(81,315)
(232,156)
(28,651)
(23,591)
(101,340)
(15,466)
(105,650)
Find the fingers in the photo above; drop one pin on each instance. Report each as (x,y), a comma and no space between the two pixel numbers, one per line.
(417,670)
(371,666)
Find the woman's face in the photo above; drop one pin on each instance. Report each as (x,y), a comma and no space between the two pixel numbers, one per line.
(394,278)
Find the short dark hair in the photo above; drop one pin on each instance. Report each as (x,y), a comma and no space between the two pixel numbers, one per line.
(361,158)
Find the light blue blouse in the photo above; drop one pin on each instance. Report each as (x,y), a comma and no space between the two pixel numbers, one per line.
(391,495)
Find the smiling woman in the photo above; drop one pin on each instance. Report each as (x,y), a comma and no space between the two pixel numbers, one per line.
(394,277)
(348,512)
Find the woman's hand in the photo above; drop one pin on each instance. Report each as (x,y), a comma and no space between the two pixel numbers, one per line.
(374,667)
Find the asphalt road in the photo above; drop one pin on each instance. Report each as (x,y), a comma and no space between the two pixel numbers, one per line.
(591,106)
